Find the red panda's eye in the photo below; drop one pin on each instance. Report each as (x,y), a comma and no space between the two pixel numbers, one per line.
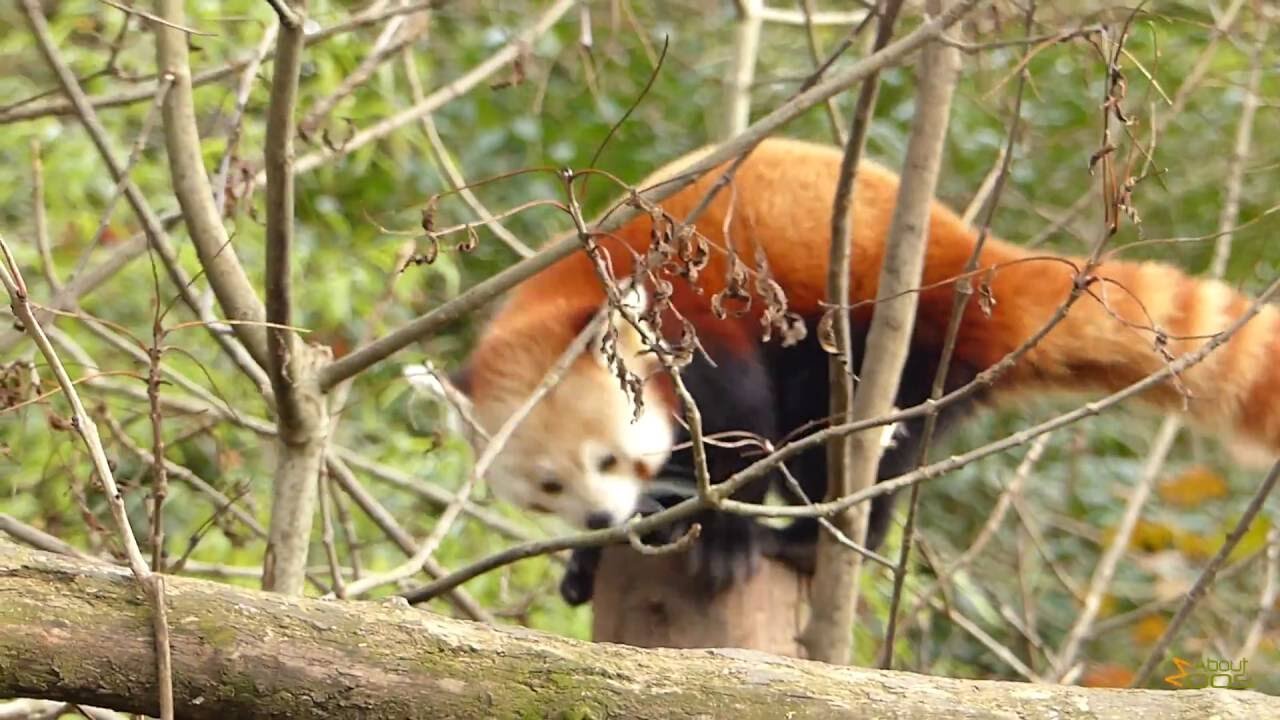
(552,487)
(608,462)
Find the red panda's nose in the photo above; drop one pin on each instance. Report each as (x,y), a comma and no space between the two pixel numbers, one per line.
(599,520)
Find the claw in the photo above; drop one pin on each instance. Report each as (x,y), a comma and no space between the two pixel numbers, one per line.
(579,581)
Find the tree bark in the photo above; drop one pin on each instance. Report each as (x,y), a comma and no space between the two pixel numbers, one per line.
(643,601)
(81,632)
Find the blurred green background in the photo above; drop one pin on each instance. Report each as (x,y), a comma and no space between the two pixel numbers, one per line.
(555,112)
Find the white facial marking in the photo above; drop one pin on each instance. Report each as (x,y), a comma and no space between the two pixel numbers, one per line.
(649,438)
(617,495)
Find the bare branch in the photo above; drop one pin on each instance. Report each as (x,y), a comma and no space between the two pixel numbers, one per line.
(40,220)
(741,76)
(828,635)
(440,97)
(829,17)
(811,38)
(39,539)
(82,285)
(449,168)
(301,409)
(373,14)
(191,184)
(960,302)
(152,225)
(384,48)
(1197,591)
(247,78)
(1266,600)
(84,426)
(460,598)
(1240,153)
(1106,567)
(496,442)
(155,19)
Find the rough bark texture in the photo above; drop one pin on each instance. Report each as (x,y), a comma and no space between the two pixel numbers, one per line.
(75,631)
(643,601)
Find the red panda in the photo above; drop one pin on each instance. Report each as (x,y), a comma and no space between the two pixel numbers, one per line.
(581,455)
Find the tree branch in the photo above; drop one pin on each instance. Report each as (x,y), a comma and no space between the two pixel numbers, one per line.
(459,87)
(153,226)
(829,635)
(21,111)
(76,631)
(301,408)
(191,184)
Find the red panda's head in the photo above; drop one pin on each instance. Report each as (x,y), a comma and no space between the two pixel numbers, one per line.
(580,453)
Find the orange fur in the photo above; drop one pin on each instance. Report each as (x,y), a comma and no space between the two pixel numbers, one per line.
(781,199)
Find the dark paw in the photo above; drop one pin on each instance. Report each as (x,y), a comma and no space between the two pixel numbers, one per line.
(726,552)
(579,581)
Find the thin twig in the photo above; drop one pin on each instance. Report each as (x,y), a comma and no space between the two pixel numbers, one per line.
(1266,599)
(373,14)
(128,10)
(1000,651)
(1239,153)
(449,168)
(853,460)
(1190,83)
(946,572)
(84,426)
(815,55)
(40,220)
(324,491)
(453,90)
(160,483)
(152,225)
(384,48)
(741,76)
(1106,567)
(376,512)
(248,77)
(828,17)
(186,475)
(164,656)
(38,538)
(1201,586)
(349,534)
(77,287)
(960,301)
(135,154)
(218,257)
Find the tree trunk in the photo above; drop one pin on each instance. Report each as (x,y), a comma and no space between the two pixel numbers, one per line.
(81,632)
(645,601)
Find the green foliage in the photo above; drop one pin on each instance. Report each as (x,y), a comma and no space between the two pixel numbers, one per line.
(358,217)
